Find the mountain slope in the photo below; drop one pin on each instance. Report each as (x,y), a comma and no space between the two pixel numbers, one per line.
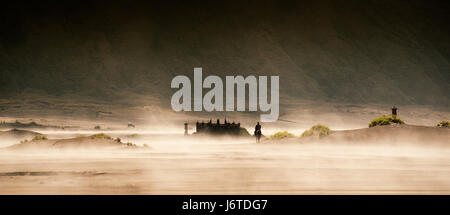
(348,51)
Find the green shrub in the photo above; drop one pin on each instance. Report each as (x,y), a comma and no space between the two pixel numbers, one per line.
(101,136)
(40,137)
(317,130)
(243,132)
(444,124)
(385,120)
(130,144)
(281,135)
(80,136)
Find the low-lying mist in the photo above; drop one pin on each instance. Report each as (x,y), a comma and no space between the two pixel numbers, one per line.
(382,160)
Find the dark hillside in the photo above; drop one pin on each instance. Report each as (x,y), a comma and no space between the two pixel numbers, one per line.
(347,51)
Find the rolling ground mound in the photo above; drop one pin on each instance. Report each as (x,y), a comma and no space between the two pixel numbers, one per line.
(393,134)
(389,134)
(90,142)
(31,125)
(17,134)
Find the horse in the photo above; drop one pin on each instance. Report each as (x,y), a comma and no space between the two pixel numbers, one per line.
(258,135)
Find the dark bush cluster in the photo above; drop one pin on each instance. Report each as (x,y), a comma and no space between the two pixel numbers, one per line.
(317,130)
(444,124)
(385,120)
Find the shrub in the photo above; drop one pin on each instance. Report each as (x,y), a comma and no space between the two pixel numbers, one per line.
(444,124)
(130,144)
(101,136)
(243,132)
(281,135)
(317,130)
(385,120)
(80,136)
(40,137)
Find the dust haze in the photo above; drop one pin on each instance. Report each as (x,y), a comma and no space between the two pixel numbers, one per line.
(177,164)
(85,96)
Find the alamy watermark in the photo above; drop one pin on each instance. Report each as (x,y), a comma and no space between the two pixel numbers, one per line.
(213,99)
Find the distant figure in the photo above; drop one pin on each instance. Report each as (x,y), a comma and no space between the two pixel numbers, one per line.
(97,127)
(258,132)
(130,125)
(394,111)
(186,128)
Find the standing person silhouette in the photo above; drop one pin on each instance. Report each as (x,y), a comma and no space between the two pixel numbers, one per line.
(257,132)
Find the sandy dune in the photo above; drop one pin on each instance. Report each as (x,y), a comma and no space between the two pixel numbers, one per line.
(393,134)
(77,143)
(189,165)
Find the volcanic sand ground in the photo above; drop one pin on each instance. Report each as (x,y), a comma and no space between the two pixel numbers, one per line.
(187,165)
